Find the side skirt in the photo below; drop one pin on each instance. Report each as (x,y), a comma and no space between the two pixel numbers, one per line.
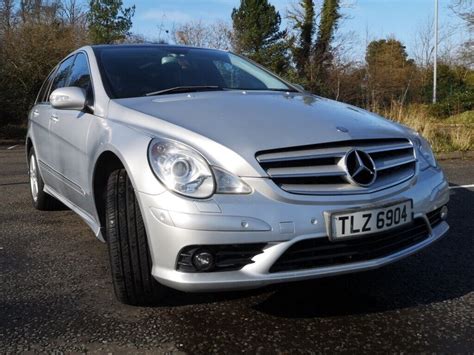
(80,212)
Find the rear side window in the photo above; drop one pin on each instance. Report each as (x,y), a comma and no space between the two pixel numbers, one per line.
(80,75)
(62,74)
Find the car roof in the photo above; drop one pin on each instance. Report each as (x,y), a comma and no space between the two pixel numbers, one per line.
(150,45)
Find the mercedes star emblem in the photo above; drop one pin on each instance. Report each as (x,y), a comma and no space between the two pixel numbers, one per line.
(360,168)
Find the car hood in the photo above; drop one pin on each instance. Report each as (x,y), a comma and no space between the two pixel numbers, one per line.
(249,122)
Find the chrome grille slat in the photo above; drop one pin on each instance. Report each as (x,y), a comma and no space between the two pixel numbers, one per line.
(335,152)
(392,163)
(306,171)
(300,155)
(320,169)
(386,148)
(312,189)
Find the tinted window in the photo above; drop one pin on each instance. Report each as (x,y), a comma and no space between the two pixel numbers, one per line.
(135,71)
(80,75)
(43,93)
(62,75)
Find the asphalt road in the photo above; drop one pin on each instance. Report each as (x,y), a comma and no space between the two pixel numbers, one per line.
(56,293)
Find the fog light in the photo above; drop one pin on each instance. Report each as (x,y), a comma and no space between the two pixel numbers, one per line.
(444,213)
(203,260)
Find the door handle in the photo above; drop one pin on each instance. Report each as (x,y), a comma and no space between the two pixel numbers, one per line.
(54,118)
(36,113)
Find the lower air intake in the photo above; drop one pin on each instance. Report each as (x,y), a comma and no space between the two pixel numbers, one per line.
(321,252)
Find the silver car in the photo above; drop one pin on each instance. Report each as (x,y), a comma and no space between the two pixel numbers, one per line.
(202,171)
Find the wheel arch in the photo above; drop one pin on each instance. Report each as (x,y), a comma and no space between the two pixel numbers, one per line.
(28,146)
(127,149)
(106,163)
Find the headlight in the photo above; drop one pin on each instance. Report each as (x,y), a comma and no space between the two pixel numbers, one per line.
(183,170)
(425,150)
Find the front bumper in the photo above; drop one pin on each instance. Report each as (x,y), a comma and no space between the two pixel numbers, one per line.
(274,217)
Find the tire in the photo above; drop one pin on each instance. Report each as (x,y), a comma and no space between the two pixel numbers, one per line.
(129,253)
(41,200)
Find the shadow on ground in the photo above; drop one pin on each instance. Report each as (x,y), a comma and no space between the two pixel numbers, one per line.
(443,271)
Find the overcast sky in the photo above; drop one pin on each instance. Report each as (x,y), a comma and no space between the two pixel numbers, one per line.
(377,18)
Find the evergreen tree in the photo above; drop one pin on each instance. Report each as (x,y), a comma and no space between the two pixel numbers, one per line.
(389,71)
(303,20)
(108,21)
(311,42)
(322,56)
(257,34)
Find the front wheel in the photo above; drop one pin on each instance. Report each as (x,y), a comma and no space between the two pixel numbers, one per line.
(130,260)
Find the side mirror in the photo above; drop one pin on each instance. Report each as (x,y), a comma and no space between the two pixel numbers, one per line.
(68,98)
(299,87)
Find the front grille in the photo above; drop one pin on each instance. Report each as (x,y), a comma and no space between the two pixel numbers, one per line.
(320,169)
(321,252)
(227,257)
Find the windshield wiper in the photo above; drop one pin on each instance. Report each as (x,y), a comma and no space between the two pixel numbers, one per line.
(281,90)
(179,89)
(267,89)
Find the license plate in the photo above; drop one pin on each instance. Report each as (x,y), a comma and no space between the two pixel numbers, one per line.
(354,223)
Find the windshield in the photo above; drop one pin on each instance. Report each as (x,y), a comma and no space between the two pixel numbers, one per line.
(132,71)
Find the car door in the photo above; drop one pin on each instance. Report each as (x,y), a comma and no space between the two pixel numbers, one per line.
(39,120)
(47,145)
(69,134)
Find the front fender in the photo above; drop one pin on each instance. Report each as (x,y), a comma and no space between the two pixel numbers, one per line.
(131,147)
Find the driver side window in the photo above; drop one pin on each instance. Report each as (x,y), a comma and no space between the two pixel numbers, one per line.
(62,75)
(80,76)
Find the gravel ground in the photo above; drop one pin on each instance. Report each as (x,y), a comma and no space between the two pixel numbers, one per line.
(56,293)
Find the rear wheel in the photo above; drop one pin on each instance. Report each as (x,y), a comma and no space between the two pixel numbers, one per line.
(130,260)
(41,200)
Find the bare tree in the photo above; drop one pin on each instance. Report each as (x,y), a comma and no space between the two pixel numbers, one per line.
(424,43)
(6,15)
(196,33)
(192,33)
(39,11)
(72,12)
(221,36)
(465,10)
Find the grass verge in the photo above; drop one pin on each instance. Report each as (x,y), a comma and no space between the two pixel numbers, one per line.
(455,133)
